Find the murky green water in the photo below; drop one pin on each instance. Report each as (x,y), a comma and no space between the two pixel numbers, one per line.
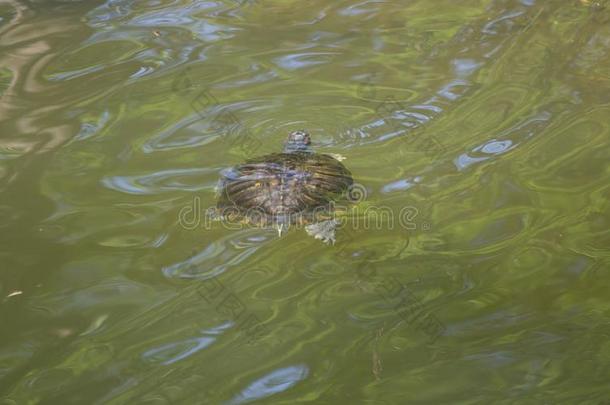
(481,127)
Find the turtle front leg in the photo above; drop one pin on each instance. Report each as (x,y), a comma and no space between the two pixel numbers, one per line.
(324,230)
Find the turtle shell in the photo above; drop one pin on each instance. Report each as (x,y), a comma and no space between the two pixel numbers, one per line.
(282,188)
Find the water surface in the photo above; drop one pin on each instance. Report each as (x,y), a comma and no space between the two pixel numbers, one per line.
(481,126)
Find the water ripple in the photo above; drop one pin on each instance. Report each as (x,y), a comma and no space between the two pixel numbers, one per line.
(173,352)
(302,60)
(275,382)
(220,255)
(163,181)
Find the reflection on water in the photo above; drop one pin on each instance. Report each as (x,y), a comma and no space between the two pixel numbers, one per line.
(273,383)
(489,118)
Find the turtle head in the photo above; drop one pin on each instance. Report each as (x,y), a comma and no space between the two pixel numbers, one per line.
(297,141)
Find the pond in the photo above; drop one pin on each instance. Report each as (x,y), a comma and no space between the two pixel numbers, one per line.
(472,269)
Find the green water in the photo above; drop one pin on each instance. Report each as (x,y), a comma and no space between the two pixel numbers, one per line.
(481,127)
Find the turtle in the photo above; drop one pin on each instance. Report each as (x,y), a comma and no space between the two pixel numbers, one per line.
(294,187)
